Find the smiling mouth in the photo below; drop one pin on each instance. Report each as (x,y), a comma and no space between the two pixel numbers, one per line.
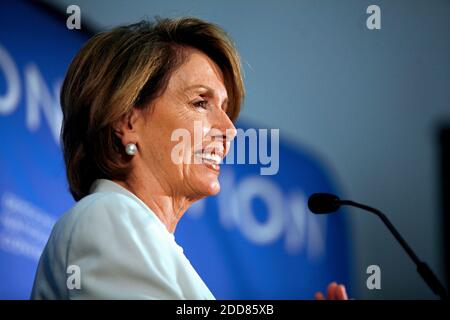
(210,159)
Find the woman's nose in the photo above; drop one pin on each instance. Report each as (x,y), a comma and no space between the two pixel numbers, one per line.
(226,126)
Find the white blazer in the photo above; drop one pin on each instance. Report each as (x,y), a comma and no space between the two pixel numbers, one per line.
(110,245)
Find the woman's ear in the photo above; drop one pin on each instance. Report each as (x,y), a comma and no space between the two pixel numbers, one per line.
(126,127)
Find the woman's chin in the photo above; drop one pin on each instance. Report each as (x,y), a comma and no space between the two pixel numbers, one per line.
(214,188)
(207,182)
(208,188)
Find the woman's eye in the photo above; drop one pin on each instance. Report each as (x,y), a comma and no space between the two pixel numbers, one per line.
(201,104)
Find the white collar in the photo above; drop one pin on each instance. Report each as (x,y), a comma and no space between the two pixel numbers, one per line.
(105,185)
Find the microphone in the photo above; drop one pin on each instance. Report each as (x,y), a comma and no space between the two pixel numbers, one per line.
(324,203)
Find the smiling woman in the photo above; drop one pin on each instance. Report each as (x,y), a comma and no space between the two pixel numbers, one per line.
(125,93)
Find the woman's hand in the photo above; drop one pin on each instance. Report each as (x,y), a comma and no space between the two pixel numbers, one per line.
(334,292)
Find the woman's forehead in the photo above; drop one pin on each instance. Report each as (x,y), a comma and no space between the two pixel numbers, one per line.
(198,72)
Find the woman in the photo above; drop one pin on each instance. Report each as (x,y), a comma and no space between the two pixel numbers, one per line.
(124,96)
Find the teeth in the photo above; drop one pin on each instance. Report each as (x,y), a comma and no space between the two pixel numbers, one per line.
(211,157)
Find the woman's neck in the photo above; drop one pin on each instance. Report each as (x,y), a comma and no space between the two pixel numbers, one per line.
(167,206)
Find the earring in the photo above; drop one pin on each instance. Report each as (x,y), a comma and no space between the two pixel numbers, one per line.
(131,149)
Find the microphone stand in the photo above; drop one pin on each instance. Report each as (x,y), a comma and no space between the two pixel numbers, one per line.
(422,268)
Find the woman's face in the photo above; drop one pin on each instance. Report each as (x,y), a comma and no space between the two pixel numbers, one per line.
(187,130)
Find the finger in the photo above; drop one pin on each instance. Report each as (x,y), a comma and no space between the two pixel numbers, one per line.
(331,291)
(341,293)
(319,296)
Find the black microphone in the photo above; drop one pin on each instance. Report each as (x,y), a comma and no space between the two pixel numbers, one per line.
(323,203)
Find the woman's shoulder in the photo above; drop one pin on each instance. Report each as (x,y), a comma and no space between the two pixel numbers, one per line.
(108,233)
(101,211)
(102,204)
(107,223)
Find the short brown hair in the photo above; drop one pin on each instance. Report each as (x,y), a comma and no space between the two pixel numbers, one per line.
(124,68)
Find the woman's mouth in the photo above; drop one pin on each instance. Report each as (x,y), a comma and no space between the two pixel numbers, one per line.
(211,160)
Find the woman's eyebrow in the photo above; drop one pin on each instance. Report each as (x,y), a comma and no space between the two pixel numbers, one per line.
(200,86)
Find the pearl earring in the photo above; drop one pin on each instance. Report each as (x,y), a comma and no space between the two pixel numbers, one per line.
(131,149)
